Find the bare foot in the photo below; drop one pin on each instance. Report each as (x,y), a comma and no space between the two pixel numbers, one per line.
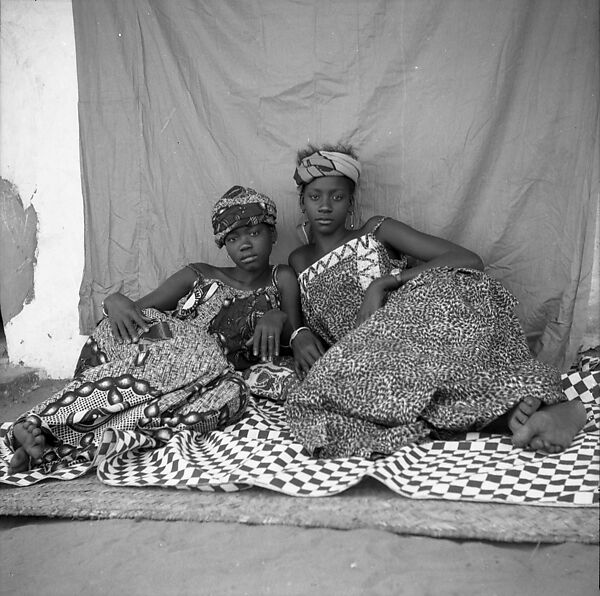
(522,412)
(514,419)
(551,428)
(32,443)
(19,461)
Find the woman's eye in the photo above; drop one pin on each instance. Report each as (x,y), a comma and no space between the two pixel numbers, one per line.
(313,197)
(338,197)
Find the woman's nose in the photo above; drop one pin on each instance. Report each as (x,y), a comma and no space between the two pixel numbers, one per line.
(245,244)
(325,204)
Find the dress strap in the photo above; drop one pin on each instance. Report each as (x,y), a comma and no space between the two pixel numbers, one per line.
(274,276)
(195,269)
(381,219)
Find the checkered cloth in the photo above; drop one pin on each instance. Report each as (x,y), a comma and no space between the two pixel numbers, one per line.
(260,451)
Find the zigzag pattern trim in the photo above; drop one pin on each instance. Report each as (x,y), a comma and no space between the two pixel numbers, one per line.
(362,249)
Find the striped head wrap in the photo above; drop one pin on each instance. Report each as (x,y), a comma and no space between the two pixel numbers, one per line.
(327,163)
(240,207)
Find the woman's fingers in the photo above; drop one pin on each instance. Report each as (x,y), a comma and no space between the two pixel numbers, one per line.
(266,343)
(140,320)
(306,353)
(125,330)
(272,340)
(255,342)
(313,355)
(306,366)
(299,371)
(264,346)
(121,334)
(115,330)
(302,369)
(132,330)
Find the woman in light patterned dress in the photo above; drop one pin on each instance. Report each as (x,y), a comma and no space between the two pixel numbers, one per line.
(167,362)
(413,353)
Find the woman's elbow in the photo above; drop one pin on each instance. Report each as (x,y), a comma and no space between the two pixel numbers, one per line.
(475,261)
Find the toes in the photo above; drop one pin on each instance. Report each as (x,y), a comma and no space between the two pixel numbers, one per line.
(521,437)
(37,449)
(537,444)
(31,422)
(19,461)
(529,405)
(520,416)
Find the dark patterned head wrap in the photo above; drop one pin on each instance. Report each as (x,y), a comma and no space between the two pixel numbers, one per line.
(327,163)
(240,207)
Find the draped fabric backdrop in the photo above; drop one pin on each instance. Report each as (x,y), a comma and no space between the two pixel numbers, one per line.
(475,120)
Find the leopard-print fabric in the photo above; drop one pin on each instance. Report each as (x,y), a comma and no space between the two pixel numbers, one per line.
(332,289)
(445,354)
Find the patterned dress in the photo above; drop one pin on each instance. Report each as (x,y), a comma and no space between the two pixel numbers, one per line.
(445,354)
(177,377)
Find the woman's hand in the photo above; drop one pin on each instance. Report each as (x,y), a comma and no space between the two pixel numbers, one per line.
(374,298)
(267,335)
(307,350)
(127,321)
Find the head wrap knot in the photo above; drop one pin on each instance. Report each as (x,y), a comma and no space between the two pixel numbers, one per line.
(326,163)
(240,207)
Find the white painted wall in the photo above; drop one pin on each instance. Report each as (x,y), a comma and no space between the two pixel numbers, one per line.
(39,154)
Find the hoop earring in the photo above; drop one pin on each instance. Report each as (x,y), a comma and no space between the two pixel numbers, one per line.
(302,231)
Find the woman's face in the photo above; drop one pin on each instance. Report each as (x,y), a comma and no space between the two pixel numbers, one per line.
(250,246)
(327,201)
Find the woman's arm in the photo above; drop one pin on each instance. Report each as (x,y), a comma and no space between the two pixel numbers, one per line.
(301,258)
(431,250)
(290,301)
(168,294)
(126,316)
(276,325)
(306,346)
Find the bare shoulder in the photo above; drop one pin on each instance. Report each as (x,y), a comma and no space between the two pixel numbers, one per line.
(285,274)
(383,226)
(204,269)
(377,222)
(301,258)
(395,235)
(372,225)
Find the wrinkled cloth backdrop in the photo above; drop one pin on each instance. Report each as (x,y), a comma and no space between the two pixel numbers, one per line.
(475,121)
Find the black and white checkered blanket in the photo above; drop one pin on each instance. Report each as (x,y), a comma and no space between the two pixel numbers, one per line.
(260,451)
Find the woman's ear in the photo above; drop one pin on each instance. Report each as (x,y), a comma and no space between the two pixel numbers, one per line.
(274,235)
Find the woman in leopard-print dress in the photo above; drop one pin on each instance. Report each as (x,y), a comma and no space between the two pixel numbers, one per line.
(416,352)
